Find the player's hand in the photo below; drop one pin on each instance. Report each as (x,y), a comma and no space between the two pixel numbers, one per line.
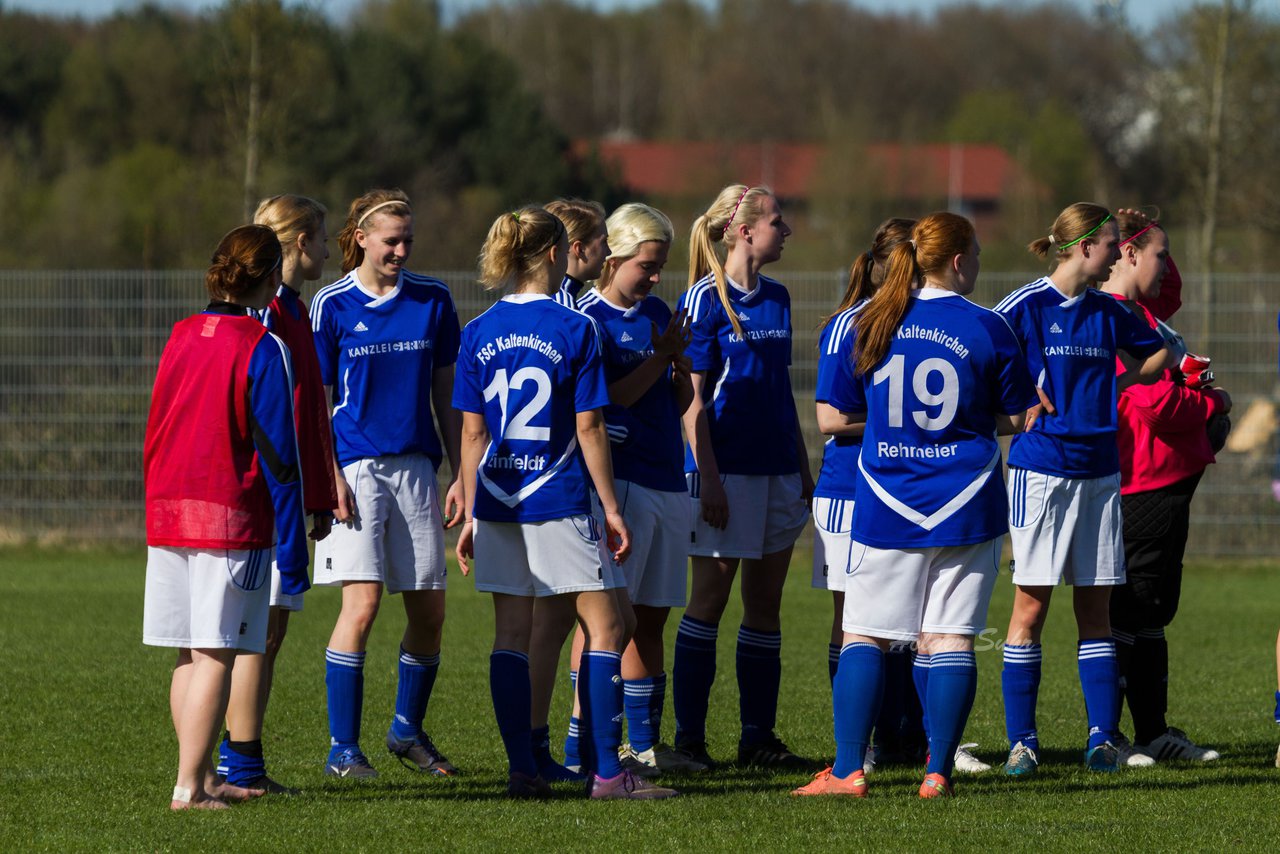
(617,537)
(672,340)
(1044,407)
(346,512)
(321,525)
(682,370)
(714,503)
(465,550)
(806,485)
(453,499)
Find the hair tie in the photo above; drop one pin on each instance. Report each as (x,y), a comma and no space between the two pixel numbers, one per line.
(366,214)
(735,210)
(913,244)
(871,258)
(1051,240)
(1140,233)
(1086,235)
(515,215)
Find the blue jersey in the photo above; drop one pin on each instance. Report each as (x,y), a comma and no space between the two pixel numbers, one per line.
(839,474)
(1071,347)
(570,289)
(747,390)
(530,365)
(379,354)
(929,473)
(644,437)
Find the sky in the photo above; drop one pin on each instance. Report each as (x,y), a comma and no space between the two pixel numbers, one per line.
(1140,11)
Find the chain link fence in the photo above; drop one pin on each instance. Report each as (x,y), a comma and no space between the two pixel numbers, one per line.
(79,349)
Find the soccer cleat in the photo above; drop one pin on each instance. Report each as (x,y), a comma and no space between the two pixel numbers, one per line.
(631,761)
(1105,758)
(869,759)
(1174,744)
(349,763)
(936,786)
(1130,756)
(554,772)
(772,753)
(967,763)
(525,788)
(664,759)
(420,754)
(271,787)
(1022,761)
(697,751)
(628,786)
(826,783)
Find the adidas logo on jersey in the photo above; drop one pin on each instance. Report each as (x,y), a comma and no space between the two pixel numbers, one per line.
(360,327)
(626,336)
(1055,328)
(742,315)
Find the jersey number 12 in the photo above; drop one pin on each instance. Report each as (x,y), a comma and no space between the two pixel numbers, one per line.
(501,388)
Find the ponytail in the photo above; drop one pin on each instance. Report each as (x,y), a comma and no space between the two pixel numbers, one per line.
(736,204)
(868,269)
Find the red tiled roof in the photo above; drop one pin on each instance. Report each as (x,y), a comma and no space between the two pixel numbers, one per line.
(792,170)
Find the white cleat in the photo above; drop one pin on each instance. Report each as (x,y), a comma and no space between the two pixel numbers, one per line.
(1174,744)
(967,763)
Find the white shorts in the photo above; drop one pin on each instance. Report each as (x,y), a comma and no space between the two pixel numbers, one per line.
(547,558)
(898,593)
(206,598)
(398,536)
(1065,529)
(283,600)
(832,521)
(657,572)
(766,514)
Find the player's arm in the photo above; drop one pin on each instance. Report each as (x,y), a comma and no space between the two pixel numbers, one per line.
(1007,425)
(833,422)
(668,344)
(697,431)
(474,438)
(1146,371)
(274,431)
(450,421)
(802,457)
(594,441)
(346,509)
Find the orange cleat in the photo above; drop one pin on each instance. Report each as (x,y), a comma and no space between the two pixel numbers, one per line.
(936,786)
(826,783)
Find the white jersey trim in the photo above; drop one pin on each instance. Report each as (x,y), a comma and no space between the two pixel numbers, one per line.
(944,512)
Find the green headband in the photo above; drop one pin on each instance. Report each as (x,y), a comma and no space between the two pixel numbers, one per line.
(1084,236)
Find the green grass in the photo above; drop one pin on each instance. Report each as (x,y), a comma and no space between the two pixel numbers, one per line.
(87,753)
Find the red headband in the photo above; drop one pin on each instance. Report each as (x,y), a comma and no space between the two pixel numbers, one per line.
(735,209)
(1140,233)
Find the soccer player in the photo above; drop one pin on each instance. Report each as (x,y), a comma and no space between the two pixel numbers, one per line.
(387,340)
(532,390)
(933,377)
(1164,450)
(1064,474)
(554,616)
(833,495)
(299,224)
(649,389)
(222,482)
(744,441)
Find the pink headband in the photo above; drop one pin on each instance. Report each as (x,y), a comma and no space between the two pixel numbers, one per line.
(1139,234)
(735,209)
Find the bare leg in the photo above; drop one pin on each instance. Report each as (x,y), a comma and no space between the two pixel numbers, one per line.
(1030,608)
(360,600)
(200,710)
(553,618)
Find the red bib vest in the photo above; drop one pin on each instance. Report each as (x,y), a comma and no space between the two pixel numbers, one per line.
(204,483)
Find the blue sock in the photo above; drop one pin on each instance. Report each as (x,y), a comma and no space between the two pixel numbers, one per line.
(858,688)
(920,675)
(540,742)
(1020,683)
(833,661)
(657,703)
(638,700)
(1100,680)
(509,687)
(692,672)
(1278,707)
(897,678)
(240,762)
(344,683)
(953,683)
(417,676)
(759,661)
(573,736)
(601,675)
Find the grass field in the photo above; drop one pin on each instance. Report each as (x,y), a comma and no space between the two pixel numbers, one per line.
(87,753)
